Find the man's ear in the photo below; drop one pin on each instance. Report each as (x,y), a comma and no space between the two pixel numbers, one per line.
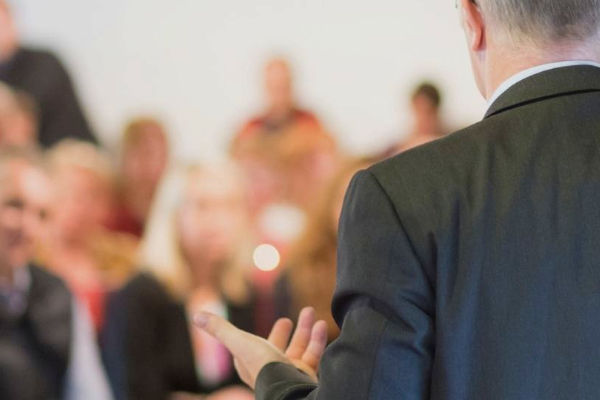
(473,24)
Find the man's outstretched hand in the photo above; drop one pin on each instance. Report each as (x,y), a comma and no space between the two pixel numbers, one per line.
(251,353)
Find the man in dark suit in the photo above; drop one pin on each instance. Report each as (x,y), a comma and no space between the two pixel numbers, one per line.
(469,268)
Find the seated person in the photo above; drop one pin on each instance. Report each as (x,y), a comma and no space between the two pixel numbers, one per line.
(47,349)
(285,152)
(191,260)
(143,160)
(41,75)
(426,104)
(92,260)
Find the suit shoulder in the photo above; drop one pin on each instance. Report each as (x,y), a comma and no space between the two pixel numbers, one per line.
(425,182)
(435,160)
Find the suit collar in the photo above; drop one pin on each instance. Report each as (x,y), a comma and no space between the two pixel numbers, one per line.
(547,84)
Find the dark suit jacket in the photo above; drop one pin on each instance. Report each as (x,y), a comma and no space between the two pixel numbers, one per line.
(469,268)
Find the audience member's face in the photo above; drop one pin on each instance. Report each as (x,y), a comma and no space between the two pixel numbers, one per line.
(146,162)
(211,218)
(81,203)
(21,214)
(278,85)
(423,107)
(425,112)
(17,128)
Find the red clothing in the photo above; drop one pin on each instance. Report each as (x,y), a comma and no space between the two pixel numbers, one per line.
(122,220)
(263,124)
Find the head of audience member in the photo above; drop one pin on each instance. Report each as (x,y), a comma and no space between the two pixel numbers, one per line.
(22,210)
(83,190)
(312,262)
(18,119)
(144,158)
(199,239)
(426,102)
(279,89)
(505,37)
(8,32)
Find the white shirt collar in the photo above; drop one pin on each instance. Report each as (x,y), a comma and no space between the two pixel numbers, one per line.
(518,77)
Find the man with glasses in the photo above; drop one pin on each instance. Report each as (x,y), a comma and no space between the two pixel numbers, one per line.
(469,267)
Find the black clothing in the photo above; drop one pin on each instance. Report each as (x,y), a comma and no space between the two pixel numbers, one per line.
(147,344)
(469,268)
(41,75)
(35,345)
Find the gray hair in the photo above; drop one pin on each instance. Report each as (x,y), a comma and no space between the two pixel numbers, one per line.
(545,20)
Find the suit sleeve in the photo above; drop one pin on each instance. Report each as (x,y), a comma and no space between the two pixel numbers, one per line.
(384,303)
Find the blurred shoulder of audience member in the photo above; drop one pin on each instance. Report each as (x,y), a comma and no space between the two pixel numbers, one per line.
(41,74)
(92,260)
(426,103)
(193,256)
(18,118)
(309,279)
(143,160)
(47,348)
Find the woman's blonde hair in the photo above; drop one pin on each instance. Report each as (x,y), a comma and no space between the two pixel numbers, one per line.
(160,251)
(80,154)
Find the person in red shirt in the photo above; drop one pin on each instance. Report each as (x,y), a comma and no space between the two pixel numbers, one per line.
(285,150)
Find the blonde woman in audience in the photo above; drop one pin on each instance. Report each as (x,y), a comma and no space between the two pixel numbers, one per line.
(309,279)
(193,257)
(78,248)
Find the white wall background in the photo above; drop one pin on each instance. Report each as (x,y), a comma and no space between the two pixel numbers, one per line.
(197,63)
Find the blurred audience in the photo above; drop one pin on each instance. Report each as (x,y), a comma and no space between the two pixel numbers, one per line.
(40,74)
(285,151)
(18,119)
(194,257)
(143,161)
(142,246)
(426,102)
(309,279)
(47,349)
(92,260)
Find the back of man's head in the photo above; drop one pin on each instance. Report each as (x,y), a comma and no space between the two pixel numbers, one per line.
(545,21)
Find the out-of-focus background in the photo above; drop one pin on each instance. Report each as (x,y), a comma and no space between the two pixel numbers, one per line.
(160,158)
(197,63)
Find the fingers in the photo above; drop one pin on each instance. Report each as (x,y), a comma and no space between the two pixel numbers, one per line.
(316,345)
(301,336)
(280,334)
(222,330)
(251,353)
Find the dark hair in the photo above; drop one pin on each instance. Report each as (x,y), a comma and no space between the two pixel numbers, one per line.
(430,91)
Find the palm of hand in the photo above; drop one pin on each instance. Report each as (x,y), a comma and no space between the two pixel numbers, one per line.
(251,353)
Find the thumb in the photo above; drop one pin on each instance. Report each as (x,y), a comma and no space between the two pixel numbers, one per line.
(220,329)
